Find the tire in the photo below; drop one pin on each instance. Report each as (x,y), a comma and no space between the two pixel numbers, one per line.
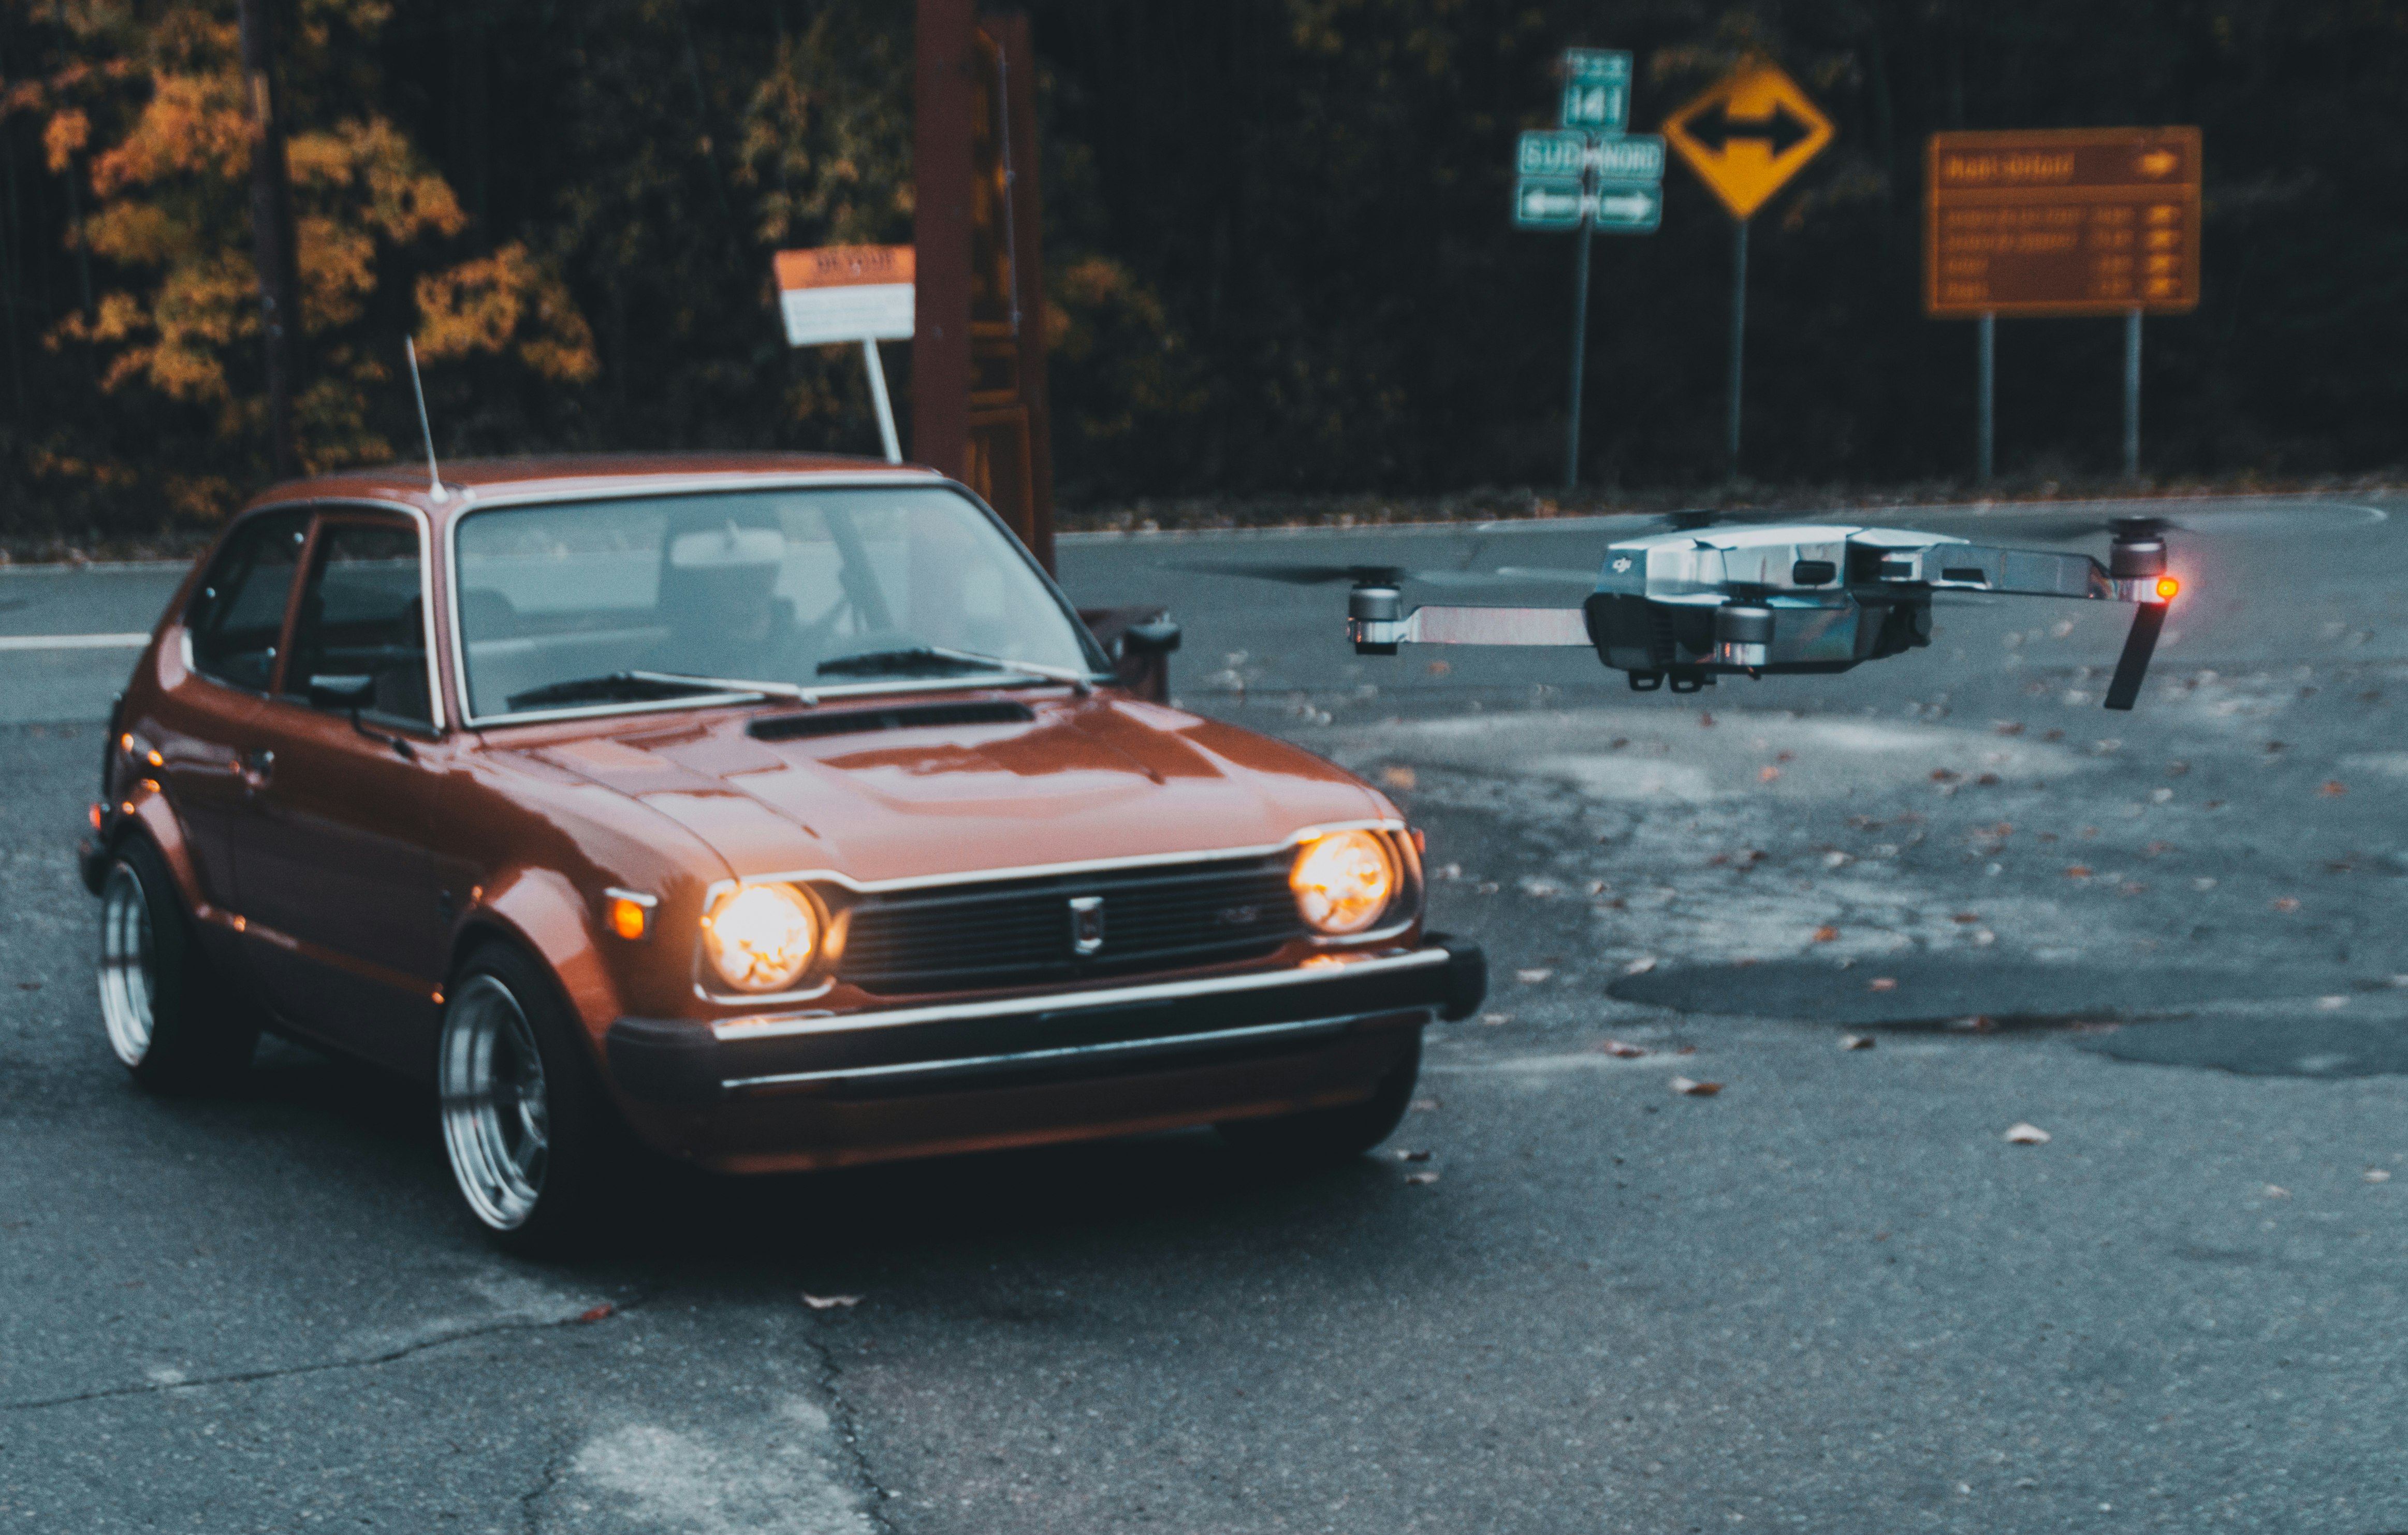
(1321,1137)
(171,1018)
(526,1131)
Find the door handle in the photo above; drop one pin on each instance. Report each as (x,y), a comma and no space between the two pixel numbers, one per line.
(257,767)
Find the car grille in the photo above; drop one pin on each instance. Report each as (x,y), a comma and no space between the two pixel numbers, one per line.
(1022,933)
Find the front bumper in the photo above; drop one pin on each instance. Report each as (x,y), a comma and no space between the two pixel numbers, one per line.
(1027,1041)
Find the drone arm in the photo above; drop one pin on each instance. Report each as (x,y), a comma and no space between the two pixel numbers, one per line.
(2014,572)
(1385,625)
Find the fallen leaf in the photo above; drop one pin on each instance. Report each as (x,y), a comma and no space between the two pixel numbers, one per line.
(1966,917)
(2130,887)
(2027,1135)
(1882,983)
(1397,777)
(1767,773)
(1686,1050)
(1621,1051)
(823,1303)
(2077,872)
(1827,935)
(2285,903)
(1495,1020)
(1687,1089)
(598,1313)
(1706,721)
(1413,1157)
(1532,978)
(29,985)
(2009,728)
(2333,787)
(2176,769)
(2378,1175)
(1855,1042)
(1978,1024)
(1988,780)
(1440,668)
(1640,966)
(1420,1178)
(2157,850)
(1785,757)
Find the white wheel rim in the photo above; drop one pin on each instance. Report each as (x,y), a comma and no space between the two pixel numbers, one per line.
(496,1113)
(128,965)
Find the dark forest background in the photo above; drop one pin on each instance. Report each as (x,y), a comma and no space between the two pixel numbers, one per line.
(1277,242)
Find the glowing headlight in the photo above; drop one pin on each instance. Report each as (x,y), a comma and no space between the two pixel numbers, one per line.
(1342,881)
(761,937)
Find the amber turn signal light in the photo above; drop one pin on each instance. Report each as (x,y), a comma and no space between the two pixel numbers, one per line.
(630,914)
(2167,587)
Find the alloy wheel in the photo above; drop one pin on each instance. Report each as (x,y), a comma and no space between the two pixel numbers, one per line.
(496,1111)
(128,965)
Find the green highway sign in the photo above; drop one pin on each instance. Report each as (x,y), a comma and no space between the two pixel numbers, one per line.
(1627,157)
(1628,207)
(1548,202)
(1596,89)
(1554,154)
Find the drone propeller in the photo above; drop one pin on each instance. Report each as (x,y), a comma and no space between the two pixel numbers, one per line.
(1379,575)
(2122,530)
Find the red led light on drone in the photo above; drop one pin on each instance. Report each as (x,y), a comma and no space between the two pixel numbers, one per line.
(2167,587)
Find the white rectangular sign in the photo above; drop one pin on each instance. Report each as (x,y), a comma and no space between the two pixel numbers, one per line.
(846,292)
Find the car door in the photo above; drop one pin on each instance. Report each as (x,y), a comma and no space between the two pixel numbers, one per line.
(205,729)
(346,927)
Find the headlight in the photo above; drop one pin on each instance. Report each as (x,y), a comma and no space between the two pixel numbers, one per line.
(761,937)
(1342,881)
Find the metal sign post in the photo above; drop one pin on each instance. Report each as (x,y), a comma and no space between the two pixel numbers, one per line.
(2132,395)
(1985,395)
(1586,177)
(1745,138)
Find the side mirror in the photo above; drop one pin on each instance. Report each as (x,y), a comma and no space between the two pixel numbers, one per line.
(341,691)
(1156,637)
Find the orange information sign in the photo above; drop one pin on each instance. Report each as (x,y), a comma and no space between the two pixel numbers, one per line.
(1748,136)
(2061,221)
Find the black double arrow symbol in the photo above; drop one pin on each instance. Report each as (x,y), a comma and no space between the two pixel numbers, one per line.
(1716,128)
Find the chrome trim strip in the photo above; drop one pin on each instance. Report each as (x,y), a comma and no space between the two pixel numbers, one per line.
(1165,991)
(426,554)
(1035,872)
(974,1065)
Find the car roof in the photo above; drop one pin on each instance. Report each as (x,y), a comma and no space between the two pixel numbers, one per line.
(470,482)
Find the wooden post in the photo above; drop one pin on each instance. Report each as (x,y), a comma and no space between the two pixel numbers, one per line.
(271,233)
(940,232)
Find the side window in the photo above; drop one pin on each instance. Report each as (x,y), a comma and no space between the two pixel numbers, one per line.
(360,640)
(237,616)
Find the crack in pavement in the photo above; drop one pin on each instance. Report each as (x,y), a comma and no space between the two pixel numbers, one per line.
(849,1426)
(531,1501)
(370,1361)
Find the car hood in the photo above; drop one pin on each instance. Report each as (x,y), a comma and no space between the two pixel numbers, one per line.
(882,797)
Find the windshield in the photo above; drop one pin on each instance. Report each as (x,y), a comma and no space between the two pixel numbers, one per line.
(577,603)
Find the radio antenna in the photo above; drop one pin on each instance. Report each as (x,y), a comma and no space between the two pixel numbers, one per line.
(426,433)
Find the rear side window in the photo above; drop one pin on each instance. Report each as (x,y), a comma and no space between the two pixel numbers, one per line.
(362,621)
(237,616)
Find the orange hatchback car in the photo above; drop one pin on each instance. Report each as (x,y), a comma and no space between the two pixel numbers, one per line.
(774,812)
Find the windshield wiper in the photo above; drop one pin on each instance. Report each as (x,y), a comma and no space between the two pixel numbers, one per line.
(637,685)
(916,657)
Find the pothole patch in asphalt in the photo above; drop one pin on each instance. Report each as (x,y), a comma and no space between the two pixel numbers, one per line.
(2256,1023)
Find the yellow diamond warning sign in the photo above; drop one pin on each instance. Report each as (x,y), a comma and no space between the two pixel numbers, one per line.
(1748,136)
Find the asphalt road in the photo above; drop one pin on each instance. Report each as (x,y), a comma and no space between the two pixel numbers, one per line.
(1832,1297)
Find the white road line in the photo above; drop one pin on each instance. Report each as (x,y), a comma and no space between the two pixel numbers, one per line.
(73,641)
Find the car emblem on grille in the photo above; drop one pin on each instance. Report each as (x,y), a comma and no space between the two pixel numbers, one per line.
(1240,916)
(1086,923)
